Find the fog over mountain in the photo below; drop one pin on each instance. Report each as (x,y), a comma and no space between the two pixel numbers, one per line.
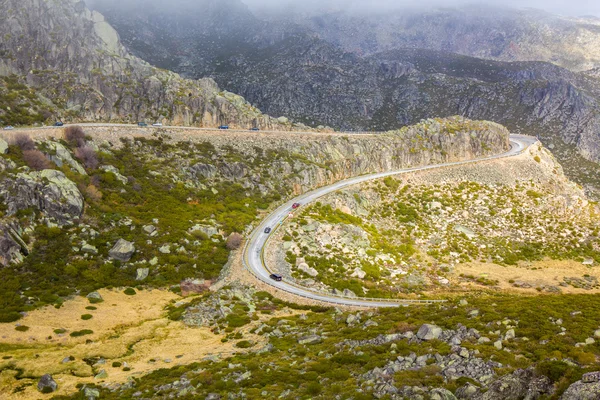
(572,8)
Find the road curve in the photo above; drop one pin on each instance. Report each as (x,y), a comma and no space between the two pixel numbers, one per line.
(253,251)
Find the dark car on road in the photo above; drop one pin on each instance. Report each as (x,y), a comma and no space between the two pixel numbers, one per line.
(142,124)
(254,129)
(224,127)
(58,124)
(276,277)
(267,230)
(296,205)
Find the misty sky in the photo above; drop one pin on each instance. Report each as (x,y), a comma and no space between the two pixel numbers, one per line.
(565,7)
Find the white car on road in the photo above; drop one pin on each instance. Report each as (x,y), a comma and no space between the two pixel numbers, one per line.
(158,124)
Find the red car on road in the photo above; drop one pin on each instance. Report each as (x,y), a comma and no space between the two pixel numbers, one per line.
(295,205)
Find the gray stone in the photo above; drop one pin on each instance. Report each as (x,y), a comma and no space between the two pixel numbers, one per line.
(122,250)
(149,229)
(308,270)
(498,344)
(510,334)
(115,172)
(46,384)
(89,249)
(90,393)
(142,273)
(165,249)
(582,391)
(101,375)
(3,147)
(213,396)
(351,319)
(94,295)
(429,332)
(310,339)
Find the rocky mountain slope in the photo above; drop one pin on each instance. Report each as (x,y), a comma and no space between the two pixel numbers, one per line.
(61,60)
(317,69)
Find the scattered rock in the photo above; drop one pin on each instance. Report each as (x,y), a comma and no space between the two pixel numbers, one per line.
(46,384)
(94,295)
(310,339)
(429,332)
(122,250)
(308,270)
(142,273)
(3,147)
(115,172)
(101,375)
(89,249)
(165,249)
(498,344)
(90,393)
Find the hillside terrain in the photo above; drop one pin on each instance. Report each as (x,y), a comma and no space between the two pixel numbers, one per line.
(324,69)
(62,61)
(127,253)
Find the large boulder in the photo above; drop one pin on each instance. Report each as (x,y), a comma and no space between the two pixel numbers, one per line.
(310,339)
(582,391)
(429,332)
(122,250)
(46,384)
(49,191)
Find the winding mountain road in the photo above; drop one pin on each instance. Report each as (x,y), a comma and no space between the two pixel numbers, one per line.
(253,257)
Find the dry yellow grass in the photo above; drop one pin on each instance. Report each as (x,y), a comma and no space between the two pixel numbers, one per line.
(127,329)
(537,273)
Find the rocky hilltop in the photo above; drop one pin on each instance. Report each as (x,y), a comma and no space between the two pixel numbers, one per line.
(61,60)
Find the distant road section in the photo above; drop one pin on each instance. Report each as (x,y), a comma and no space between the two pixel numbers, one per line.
(253,251)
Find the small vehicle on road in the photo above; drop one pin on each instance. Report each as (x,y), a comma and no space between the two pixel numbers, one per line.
(255,129)
(223,127)
(158,125)
(142,124)
(267,230)
(296,206)
(276,277)
(58,124)
(9,128)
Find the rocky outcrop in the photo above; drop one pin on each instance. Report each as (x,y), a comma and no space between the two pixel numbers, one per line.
(48,191)
(84,70)
(308,161)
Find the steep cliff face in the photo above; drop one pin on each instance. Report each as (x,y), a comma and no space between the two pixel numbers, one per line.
(79,69)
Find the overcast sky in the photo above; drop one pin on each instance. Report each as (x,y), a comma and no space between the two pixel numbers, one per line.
(566,7)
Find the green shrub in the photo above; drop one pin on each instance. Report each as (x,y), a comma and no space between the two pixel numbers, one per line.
(244,344)
(60,331)
(129,291)
(116,364)
(82,332)
(22,328)
(85,317)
